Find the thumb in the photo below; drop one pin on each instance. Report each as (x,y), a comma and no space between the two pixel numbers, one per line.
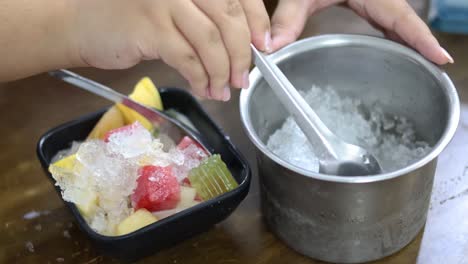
(288,22)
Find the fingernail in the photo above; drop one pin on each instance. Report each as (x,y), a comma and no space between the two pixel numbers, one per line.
(227,93)
(268,41)
(450,59)
(245,80)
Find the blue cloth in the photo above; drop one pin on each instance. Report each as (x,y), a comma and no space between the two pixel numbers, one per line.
(449,16)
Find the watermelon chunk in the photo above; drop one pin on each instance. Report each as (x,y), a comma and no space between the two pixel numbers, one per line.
(192,148)
(157,189)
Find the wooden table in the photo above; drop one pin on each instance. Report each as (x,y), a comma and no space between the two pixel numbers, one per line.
(29,107)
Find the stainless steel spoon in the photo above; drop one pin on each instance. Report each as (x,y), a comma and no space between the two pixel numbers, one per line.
(336,157)
(167,125)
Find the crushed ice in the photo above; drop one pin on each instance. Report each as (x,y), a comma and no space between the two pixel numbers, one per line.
(392,139)
(110,168)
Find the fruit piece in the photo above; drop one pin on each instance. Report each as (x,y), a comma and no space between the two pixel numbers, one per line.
(112,119)
(87,202)
(193,203)
(66,163)
(212,178)
(135,221)
(129,136)
(167,213)
(186,182)
(198,198)
(119,115)
(186,142)
(129,141)
(63,172)
(187,196)
(192,148)
(131,116)
(124,129)
(146,93)
(157,189)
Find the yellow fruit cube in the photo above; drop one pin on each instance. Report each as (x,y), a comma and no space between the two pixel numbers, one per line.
(187,196)
(87,202)
(135,221)
(62,171)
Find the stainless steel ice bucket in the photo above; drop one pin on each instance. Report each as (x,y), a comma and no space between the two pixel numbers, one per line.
(351,219)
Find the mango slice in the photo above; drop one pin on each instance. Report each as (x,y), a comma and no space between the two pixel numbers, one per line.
(62,171)
(112,119)
(135,221)
(66,163)
(146,93)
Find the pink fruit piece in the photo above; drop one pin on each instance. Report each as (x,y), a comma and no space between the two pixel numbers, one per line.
(192,148)
(157,189)
(124,129)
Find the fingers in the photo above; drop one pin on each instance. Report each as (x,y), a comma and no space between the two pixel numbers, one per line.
(228,16)
(288,21)
(259,23)
(205,38)
(397,17)
(177,53)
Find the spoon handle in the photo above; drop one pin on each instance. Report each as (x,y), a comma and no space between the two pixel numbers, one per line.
(89,85)
(306,118)
(168,125)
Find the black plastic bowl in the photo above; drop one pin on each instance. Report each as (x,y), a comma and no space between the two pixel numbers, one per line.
(178,227)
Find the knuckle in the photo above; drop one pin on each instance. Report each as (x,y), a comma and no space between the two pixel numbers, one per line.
(233,8)
(212,34)
(190,58)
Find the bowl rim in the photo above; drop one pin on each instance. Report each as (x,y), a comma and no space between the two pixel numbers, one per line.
(342,40)
(243,186)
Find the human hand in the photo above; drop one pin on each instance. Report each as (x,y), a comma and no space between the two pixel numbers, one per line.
(395,18)
(208,42)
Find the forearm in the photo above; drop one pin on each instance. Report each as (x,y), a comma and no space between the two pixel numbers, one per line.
(35,37)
